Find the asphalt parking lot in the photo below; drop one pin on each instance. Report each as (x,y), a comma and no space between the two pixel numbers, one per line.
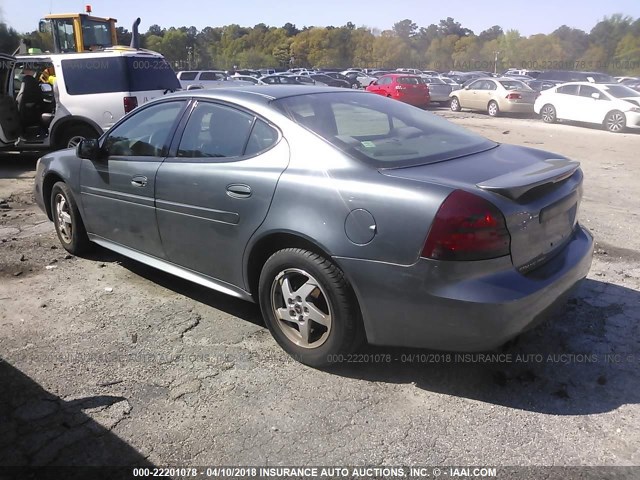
(106,361)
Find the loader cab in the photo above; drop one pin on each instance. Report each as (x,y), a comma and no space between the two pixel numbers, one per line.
(79,32)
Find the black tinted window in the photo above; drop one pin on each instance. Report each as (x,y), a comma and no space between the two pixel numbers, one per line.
(117,74)
(188,75)
(211,76)
(215,131)
(145,133)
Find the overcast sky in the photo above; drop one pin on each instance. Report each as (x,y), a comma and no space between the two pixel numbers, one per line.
(527,16)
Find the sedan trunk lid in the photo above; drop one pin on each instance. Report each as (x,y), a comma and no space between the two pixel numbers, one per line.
(538,193)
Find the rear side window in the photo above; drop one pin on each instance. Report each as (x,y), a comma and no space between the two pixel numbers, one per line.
(215,131)
(117,74)
(262,137)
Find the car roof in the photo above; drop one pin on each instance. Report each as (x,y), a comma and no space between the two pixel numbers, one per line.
(261,93)
(107,52)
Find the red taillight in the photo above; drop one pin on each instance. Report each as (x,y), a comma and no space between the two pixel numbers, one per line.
(467,227)
(130,103)
(514,96)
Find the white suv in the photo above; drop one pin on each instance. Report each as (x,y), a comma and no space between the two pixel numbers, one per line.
(90,93)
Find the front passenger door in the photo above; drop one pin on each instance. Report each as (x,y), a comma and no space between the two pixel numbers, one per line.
(117,190)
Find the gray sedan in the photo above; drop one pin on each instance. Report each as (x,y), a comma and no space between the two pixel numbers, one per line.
(346,216)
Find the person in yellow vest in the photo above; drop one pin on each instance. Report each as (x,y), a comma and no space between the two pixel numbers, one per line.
(48,76)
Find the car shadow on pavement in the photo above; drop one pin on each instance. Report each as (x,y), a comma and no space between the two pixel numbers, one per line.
(38,428)
(247,311)
(583,361)
(14,166)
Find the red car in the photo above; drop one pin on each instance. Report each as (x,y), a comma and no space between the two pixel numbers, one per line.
(406,88)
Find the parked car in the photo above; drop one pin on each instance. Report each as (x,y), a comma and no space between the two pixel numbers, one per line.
(322,79)
(411,230)
(399,86)
(439,90)
(285,80)
(190,79)
(92,90)
(352,81)
(249,79)
(454,85)
(550,78)
(495,96)
(615,106)
(632,83)
(363,79)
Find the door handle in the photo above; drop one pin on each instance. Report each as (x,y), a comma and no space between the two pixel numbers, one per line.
(139,181)
(238,190)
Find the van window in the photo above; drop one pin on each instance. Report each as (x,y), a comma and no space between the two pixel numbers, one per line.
(85,76)
(188,75)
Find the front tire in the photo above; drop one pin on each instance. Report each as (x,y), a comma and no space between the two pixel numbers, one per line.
(615,121)
(66,218)
(308,306)
(492,109)
(455,105)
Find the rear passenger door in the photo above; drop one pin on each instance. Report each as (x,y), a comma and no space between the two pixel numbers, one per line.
(566,104)
(215,189)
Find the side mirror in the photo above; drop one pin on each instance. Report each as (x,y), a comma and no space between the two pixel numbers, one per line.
(194,87)
(595,96)
(89,149)
(467,87)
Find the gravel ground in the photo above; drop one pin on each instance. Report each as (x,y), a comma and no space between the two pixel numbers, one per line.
(105,361)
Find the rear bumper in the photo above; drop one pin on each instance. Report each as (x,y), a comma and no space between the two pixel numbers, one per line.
(462,307)
(509,107)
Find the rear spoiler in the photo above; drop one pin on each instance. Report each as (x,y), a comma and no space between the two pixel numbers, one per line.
(515,184)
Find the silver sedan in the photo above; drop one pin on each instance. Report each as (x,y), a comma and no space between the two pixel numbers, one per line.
(346,216)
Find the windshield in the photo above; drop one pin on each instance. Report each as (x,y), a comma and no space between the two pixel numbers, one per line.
(409,80)
(382,132)
(514,85)
(434,81)
(621,91)
(96,33)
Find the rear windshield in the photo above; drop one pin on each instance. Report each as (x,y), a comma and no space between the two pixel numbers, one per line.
(380,131)
(118,74)
(513,85)
(434,81)
(409,80)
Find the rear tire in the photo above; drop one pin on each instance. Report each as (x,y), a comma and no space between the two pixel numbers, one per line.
(66,218)
(73,135)
(454,104)
(615,121)
(548,113)
(492,109)
(308,306)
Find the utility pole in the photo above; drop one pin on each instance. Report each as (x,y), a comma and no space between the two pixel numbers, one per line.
(495,62)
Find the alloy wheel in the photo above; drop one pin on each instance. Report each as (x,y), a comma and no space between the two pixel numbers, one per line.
(63,215)
(301,308)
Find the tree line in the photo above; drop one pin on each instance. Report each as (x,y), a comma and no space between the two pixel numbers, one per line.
(612,46)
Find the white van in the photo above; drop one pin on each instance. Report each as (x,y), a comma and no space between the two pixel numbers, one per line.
(91,92)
